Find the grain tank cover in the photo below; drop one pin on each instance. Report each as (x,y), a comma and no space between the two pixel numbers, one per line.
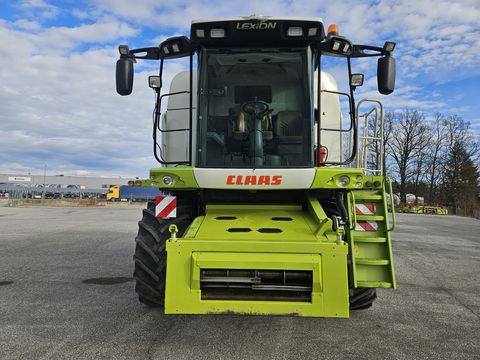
(257,31)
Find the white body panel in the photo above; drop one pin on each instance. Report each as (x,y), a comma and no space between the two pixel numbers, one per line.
(331,117)
(175,144)
(250,178)
(261,18)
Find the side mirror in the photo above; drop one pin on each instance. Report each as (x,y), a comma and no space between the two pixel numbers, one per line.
(386,75)
(124,76)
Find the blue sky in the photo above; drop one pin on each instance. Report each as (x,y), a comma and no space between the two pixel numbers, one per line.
(57,93)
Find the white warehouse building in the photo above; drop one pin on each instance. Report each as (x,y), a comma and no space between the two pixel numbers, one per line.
(61,181)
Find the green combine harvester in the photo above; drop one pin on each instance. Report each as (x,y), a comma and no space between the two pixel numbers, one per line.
(274,194)
(423,209)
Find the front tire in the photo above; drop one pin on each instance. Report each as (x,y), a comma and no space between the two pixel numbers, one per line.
(150,252)
(362,298)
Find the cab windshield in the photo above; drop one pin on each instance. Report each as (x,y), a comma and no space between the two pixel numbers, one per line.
(255,108)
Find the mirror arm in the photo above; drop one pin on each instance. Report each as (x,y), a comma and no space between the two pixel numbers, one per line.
(152,53)
(358,51)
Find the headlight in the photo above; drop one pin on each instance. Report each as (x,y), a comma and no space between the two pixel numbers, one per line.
(217,33)
(295,31)
(343,180)
(167,180)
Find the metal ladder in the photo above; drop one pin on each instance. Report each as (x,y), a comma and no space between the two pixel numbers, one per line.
(371,148)
(369,237)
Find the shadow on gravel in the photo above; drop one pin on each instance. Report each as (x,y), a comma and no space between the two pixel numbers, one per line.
(107,280)
(2,283)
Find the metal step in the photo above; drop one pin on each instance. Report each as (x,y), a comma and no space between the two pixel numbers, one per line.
(371,250)
(368,234)
(370,217)
(375,262)
(368,196)
(374,284)
(370,239)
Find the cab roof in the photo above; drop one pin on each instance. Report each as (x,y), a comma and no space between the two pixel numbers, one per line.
(256,30)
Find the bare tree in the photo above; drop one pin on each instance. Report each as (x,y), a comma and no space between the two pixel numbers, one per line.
(436,155)
(388,120)
(420,159)
(408,137)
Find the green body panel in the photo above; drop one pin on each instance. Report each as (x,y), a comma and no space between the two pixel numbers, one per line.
(255,217)
(307,242)
(304,243)
(327,178)
(183,177)
(371,251)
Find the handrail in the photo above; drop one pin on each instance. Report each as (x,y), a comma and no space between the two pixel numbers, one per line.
(156,126)
(353,223)
(353,126)
(157,119)
(159,113)
(392,202)
(362,159)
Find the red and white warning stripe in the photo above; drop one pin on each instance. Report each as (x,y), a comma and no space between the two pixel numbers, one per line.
(365,209)
(364,225)
(165,206)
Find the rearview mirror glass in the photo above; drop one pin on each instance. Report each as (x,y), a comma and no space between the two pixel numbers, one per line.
(124,76)
(386,75)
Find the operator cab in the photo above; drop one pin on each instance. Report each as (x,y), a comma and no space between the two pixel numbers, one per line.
(259,98)
(254,108)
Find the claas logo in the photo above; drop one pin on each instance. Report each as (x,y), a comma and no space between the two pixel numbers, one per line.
(254,180)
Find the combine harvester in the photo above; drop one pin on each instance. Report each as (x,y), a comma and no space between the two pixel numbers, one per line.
(423,209)
(274,202)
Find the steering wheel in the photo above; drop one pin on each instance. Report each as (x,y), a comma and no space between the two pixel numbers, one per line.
(257,107)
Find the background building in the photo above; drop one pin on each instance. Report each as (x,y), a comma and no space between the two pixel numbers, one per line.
(34,186)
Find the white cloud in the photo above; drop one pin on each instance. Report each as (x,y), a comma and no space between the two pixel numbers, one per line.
(431,35)
(57,92)
(61,107)
(28,25)
(38,8)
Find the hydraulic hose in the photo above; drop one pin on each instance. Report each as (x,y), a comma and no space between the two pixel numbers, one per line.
(341,207)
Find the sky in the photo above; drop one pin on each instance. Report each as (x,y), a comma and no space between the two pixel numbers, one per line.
(59,109)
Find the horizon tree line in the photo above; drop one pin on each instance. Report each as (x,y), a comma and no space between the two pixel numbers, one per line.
(437,159)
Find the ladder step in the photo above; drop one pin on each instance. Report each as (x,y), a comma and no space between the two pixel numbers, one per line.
(365,261)
(374,284)
(367,196)
(370,217)
(370,234)
(378,240)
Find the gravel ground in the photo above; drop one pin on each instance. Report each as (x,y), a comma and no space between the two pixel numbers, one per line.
(47,311)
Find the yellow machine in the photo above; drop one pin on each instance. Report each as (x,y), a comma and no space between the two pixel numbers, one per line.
(113,193)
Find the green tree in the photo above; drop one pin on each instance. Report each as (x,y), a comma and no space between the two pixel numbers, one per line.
(460,173)
(460,179)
